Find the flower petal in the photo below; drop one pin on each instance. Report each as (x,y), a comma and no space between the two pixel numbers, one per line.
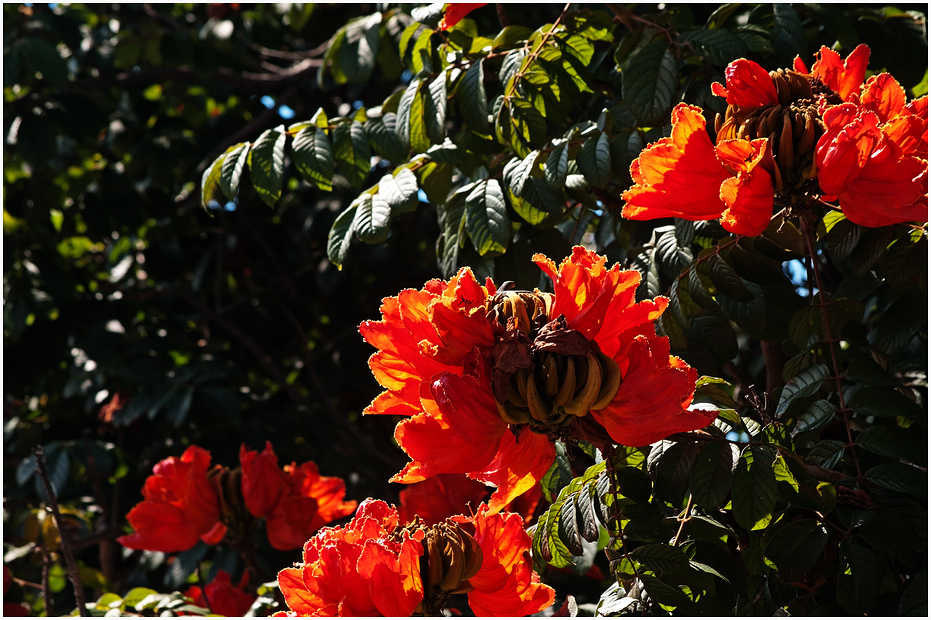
(748,196)
(505,585)
(884,96)
(261,479)
(748,85)
(299,598)
(393,579)
(843,77)
(649,405)
(844,149)
(455,11)
(442,496)
(678,176)
(521,462)
(459,430)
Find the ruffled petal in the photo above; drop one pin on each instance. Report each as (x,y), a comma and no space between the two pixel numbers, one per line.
(393,578)
(521,462)
(297,596)
(846,146)
(749,196)
(649,405)
(887,192)
(884,96)
(678,176)
(505,585)
(459,430)
(843,77)
(440,497)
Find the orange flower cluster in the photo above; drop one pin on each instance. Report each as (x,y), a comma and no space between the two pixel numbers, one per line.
(185,501)
(863,143)
(487,378)
(378,566)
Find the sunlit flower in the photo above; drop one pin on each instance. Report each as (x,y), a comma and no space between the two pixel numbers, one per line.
(445,495)
(866,146)
(222,597)
(377,565)
(489,377)
(688,177)
(180,506)
(453,13)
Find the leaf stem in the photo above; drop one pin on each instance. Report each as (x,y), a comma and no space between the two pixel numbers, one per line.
(39,453)
(683,521)
(829,339)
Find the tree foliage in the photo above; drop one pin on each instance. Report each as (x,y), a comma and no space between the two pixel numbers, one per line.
(202,203)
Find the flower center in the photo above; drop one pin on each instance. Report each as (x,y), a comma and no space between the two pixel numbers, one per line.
(793,126)
(233,511)
(451,557)
(544,372)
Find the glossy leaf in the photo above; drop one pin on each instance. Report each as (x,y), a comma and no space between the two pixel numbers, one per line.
(266,165)
(487,219)
(796,547)
(313,157)
(231,171)
(753,491)
(352,151)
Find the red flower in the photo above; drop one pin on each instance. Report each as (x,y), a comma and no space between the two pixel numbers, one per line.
(843,77)
(454,356)
(455,11)
(296,501)
(445,495)
(685,176)
(748,85)
(377,565)
(308,501)
(180,506)
(222,597)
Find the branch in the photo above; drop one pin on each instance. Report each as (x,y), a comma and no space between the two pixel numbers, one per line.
(39,453)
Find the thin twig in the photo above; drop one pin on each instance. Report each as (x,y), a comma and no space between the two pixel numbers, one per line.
(39,453)
(829,340)
(203,588)
(683,521)
(46,566)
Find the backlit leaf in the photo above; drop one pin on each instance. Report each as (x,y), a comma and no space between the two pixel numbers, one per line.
(266,165)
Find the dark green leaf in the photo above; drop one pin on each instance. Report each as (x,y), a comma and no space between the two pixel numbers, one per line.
(436,180)
(720,46)
(383,138)
(352,152)
(266,165)
(313,157)
(471,98)
(914,601)
(894,442)
(883,402)
(663,593)
(487,219)
(714,390)
(753,492)
(594,160)
(864,370)
(569,526)
(859,578)
(435,109)
(900,477)
(796,547)
(790,34)
(900,532)
(231,172)
(826,453)
(557,165)
(650,81)
(804,384)
(661,558)
(815,416)
(718,335)
(340,236)
(210,189)
(710,478)
(727,281)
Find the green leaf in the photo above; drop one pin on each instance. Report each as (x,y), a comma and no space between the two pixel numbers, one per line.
(726,279)
(134,596)
(661,558)
(511,65)
(826,453)
(864,370)
(358,53)
(521,125)
(434,114)
(805,383)
(714,390)
(900,532)
(352,152)
(859,579)
(384,140)
(471,98)
(914,601)
(720,46)
(900,477)
(373,214)
(557,165)
(231,171)
(399,191)
(405,120)
(790,33)
(796,547)
(753,492)
(210,189)
(451,220)
(710,478)
(895,443)
(650,82)
(313,157)
(487,219)
(815,416)
(594,160)
(340,236)
(266,164)
(663,593)
(883,402)
(569,527)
